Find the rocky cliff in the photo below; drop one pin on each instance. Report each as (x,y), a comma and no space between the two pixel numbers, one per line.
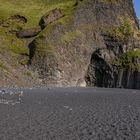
(86,49)
(87,43)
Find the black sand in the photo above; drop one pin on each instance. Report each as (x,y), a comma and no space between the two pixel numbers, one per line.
(70,114)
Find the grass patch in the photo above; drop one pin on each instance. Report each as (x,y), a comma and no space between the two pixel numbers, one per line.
(42,47)
(33,10)
(19,49)
(121,32)
(130,60)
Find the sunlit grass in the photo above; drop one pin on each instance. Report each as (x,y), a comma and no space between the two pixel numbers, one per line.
(33,10)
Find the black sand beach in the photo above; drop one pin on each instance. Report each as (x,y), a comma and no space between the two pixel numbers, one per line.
(69,114)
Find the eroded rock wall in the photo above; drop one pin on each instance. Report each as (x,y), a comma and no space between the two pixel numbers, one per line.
(77,48)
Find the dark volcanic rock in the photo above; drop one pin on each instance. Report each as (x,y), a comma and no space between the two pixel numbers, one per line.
(102,73)
(50,17)
(27,33)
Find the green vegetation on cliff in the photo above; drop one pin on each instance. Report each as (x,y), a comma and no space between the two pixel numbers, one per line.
(130,59)
(33,10)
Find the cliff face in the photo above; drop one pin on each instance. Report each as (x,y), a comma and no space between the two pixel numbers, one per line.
(86,43)
(86,49)
(104,73)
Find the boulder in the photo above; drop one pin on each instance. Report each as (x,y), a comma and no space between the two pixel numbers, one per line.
(50,17)
(27,33)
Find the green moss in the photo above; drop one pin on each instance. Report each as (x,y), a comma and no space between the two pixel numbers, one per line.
(125,29)
(19,49)
(24,62)
(11,44)
(128,60)
(42,48)
(29,74)
(121,33)
(69,36)
(2,31)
